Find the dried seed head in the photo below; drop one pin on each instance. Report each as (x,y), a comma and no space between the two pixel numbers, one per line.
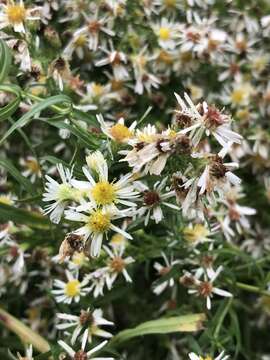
(187,280)
(94,26)
(205,288)
(207,261)
(182,120)
(217,169)
(213,117)
(80,355)
(151,198)
(117,264)
(234,214)
(14,251)
(165,270)
(177,185)
(182,144)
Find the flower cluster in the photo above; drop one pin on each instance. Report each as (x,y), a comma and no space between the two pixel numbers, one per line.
(135,174)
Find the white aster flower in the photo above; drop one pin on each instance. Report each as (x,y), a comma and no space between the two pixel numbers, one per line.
(102,193)
(117,60)
(167,32)
(15,15)
(206,119)
(153,200)
(163,270)
(221,356)
(81,354)
(87,323)
(206,288)
(59,193)
(97,223)
(92,30)
(32,168)
(118,132)
(117,265)
(71,290)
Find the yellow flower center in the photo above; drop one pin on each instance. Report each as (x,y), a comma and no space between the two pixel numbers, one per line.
(5,200)
(206,358)
(103,193)
(164,33)
(117,264)
(170,3)
(165,57)
(65,192)
(237,96)
(260,63)
(80,41)
(99,222)
(265,301)
(33,166)
(16,13)
(78,258)
(118,239)
(196,233)
(243,114)
(72,288)
(120,132)
(97,89)
(186,56)
(146,138)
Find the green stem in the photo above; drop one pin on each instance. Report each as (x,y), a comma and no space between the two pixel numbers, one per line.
(257,262)
(222,317)
(250,288)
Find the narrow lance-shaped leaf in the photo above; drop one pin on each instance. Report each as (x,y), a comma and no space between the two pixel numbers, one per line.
(22,180)
(5,60)
(27,335)
(185,323)
(9,109)
(37,108)
(20,216)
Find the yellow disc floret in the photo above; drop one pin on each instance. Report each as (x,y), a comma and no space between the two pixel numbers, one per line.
(195,233)
(238,96)
(170,3)
(5,200)
(16,14)
(164,33)
(78,258)
(72,288)
(103,193)
(32,165)
(120,132)
(98,89)
(118,239)
(99,222)
(80,41)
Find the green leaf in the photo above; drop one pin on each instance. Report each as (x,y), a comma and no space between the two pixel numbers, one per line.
(37,108)
(20,216)
(5,60)
(185,323)
(11,169)
(86,138)
(9,109)
(27,335)
(54,160)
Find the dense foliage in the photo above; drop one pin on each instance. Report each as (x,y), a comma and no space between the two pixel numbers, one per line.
(134,179)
